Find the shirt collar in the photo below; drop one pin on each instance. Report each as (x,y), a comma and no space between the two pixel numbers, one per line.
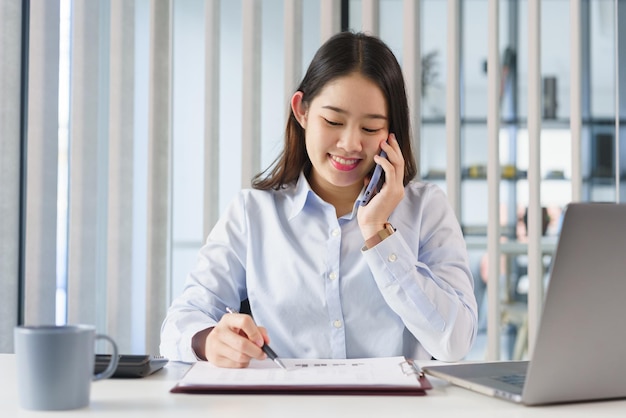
(303,191)
(300,194)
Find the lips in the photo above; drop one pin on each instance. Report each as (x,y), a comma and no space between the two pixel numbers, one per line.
(344,164)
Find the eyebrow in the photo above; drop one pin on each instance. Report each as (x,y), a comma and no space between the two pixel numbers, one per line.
(342,111)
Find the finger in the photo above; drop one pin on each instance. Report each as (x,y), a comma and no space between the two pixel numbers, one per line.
(228,343)
(222,360)
(245,337)
(393,141)
(222,354)
(226,362)
(389,167)
(266,337)
(245,323)
(392,148)
(395,157)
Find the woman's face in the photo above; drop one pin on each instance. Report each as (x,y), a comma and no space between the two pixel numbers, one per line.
(344,127)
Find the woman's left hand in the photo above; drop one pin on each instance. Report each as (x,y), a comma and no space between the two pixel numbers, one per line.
(373,216)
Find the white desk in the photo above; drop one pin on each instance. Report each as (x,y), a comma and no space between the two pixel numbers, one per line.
(150,397)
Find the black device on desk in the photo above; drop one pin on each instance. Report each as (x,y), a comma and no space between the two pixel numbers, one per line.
(131,365)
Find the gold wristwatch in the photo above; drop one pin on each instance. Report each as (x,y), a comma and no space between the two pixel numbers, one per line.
(380,235)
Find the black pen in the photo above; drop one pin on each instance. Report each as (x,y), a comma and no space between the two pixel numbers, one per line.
(266,348)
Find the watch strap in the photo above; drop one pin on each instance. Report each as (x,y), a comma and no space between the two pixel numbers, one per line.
(380,236)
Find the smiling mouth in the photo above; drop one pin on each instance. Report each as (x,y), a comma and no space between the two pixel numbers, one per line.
(344,164)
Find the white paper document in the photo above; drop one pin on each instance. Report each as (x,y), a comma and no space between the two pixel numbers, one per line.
(378,372)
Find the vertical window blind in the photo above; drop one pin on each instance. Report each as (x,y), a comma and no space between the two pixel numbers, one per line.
(122,155)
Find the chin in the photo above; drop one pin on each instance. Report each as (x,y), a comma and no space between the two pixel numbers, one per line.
(346,182)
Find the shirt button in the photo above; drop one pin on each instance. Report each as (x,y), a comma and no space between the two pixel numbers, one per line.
(337,323)
(332,276)
(392,257)
(335,232)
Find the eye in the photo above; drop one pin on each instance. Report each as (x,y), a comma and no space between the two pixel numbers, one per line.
(332,123)
(372,131)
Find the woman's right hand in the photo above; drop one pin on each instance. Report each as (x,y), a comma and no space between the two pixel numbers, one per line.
(233,342)
(373,217)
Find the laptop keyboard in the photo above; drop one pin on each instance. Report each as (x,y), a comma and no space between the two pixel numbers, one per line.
(512,379)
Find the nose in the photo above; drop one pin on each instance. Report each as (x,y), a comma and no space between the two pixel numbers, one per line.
(350,140)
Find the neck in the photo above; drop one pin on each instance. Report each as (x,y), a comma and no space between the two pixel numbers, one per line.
(342,198)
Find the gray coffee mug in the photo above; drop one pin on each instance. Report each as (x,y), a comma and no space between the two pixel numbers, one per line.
(55,365)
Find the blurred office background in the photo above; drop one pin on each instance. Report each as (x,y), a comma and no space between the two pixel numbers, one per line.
(127,126)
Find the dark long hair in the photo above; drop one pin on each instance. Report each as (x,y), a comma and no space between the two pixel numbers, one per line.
(342,54)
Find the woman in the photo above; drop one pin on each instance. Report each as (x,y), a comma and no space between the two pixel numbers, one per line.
(325,276)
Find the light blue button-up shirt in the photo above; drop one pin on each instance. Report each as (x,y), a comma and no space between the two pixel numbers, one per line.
(315,289)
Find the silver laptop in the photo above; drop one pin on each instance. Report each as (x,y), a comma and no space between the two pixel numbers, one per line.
(580,349)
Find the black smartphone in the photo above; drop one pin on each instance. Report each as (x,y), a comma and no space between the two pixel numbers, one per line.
(375,184)
(131,365)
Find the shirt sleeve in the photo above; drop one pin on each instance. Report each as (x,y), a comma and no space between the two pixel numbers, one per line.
(217,281)
(426,280)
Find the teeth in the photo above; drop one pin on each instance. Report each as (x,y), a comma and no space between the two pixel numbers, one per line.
(343,161)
